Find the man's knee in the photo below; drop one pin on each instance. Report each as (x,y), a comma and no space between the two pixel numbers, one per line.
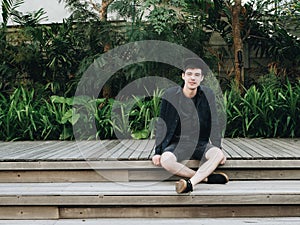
(215,154)
(167,158)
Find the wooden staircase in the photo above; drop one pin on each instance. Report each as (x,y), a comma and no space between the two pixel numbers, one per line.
(57,180)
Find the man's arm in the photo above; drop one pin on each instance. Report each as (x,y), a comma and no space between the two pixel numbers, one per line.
(160,128)
(215,133)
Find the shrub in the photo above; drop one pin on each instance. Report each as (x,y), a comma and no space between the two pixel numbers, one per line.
(266,110)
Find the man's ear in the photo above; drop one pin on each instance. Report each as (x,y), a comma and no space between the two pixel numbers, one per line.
(182,76)
(202,77)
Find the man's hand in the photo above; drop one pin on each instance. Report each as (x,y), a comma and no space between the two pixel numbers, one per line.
(223,160)
(156,160)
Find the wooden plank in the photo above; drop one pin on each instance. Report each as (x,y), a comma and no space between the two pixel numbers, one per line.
(138,151)
(89,151)
(55,152)
(130,150)
(73,151)
(256,149)
(293,141)
(140,164)
(115,148)
(185,212)
(157,175)
(26,212)
(261,174)
(235,192)
(150,200)
(225,151)
(123,175)
(84,150)
(4,148)
(255,153)
(285,146)
(18,149)
(233,174)
(233,150)
(125,147)
(64,176)
(148,151)
(277,152)
(239,217)
(58,150)
(32,152)
(96,153)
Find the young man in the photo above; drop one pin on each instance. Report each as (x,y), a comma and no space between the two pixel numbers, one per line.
(189,129)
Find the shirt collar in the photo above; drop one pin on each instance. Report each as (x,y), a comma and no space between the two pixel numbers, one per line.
(199,90)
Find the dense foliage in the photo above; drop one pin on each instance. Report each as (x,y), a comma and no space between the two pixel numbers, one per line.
(267,110)
(40,66)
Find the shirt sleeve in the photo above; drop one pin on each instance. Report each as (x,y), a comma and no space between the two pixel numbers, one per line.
(160,127)
(215,134)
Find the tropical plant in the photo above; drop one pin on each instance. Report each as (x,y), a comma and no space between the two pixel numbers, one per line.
(266,110)
(20,115)
(9,8)
(263,28)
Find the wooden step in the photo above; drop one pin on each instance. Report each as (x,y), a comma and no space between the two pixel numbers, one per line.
(148,200)
(151,221)
(143,170)
(116,179)
(105,150)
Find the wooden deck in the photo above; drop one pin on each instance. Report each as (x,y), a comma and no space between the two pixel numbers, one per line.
(129,160)
(115,179)
(108,150)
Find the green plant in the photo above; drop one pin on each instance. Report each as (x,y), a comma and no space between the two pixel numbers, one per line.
(267,110)
(61,109)
(20,115)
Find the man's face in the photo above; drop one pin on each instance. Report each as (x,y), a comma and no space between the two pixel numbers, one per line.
(192,78)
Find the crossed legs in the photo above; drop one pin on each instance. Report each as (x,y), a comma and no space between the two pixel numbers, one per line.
(214,157)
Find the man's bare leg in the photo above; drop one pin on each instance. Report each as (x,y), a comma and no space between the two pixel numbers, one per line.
(214,157)
(169,162)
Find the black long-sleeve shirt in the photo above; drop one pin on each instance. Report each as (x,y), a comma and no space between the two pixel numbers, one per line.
(194,118)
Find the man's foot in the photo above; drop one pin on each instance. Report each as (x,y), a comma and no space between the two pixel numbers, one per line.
(184,186)
(217,178)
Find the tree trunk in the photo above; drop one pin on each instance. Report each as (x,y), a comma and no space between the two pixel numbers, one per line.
(103,10)
(238,45)
(107,92)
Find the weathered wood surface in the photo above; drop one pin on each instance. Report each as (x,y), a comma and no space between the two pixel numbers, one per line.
(237,148)
(138,165)
(152,221)
(60,180)
(149,193)
(129,160)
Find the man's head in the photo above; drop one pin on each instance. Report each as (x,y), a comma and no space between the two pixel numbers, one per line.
(193,72)
(193,63)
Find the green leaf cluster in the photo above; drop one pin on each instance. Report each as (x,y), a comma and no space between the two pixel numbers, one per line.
(266,110)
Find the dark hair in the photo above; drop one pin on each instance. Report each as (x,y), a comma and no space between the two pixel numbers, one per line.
(195,63)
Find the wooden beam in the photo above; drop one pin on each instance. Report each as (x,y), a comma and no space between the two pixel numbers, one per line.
(140,164)
(28,212)
(180,212)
